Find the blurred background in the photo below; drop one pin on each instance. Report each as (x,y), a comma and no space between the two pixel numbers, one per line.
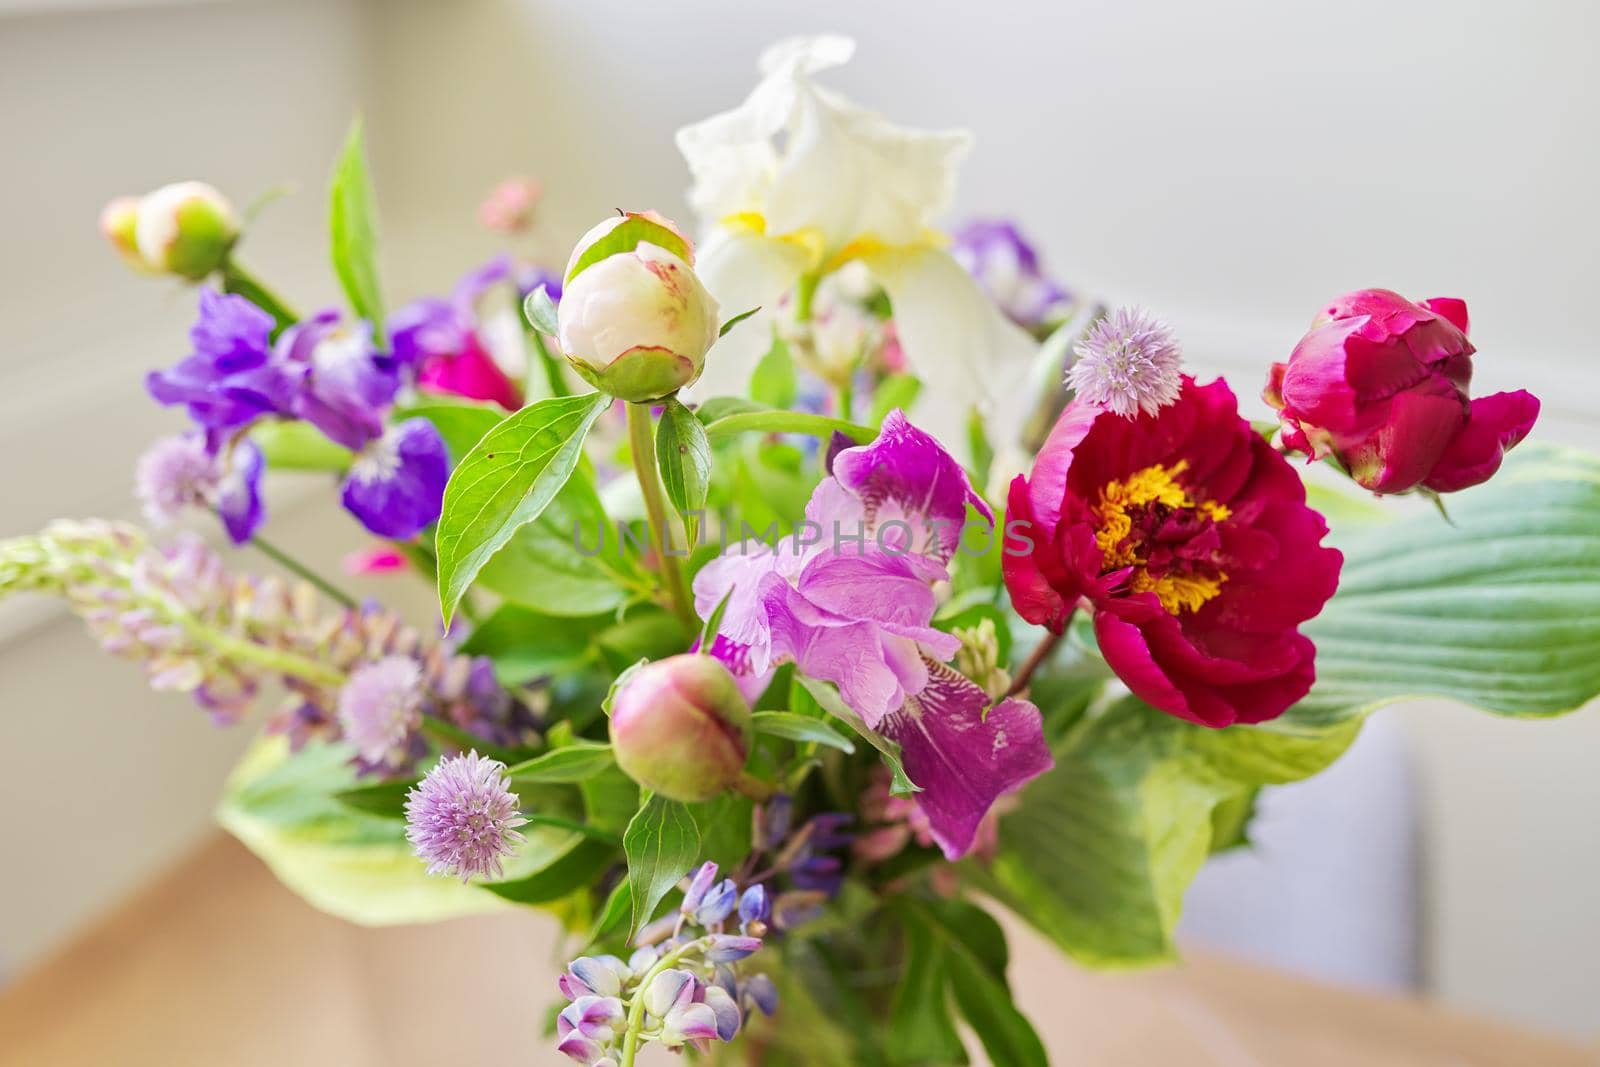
(1232,165)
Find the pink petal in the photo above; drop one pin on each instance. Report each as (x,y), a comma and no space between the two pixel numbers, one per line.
(1496,424)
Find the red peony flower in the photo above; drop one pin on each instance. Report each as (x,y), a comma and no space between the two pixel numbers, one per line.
(1381,384)
(1191,540)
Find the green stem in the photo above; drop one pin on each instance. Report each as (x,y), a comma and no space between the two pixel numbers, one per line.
(641,442)
(594,832)
(846,394)
(754,788)
(450,734)
(805,291)
(551,366)
(240,282)
(630,1039)
(1041,652)
(289,563)
(275,660)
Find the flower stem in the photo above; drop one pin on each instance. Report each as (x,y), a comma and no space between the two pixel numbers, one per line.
(754,788)
(641,443)
(275,660)
(289,563)
(240,282)
(630,1039)
(1034,661)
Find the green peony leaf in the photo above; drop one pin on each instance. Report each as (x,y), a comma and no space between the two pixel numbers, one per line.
(1499,609)
(684,457)
(773,383)
(299,446)
(775,421)
(461,423)
(568,562)
(353,226)
(663,845)
(1100,850)
(577,762)
(286,809)
(524,645)
(792,727)
(504,483)
(921,1029)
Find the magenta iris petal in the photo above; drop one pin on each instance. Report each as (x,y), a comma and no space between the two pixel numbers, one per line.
(961,758)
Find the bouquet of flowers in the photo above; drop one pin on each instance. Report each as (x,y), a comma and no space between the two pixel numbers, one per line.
(810,589)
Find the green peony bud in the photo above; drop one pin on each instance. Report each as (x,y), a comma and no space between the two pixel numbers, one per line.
(118,220)
(635,321)
(680,726)
(185,229)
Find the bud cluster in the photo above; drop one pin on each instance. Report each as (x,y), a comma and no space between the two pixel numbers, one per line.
(684,986)
(200,629)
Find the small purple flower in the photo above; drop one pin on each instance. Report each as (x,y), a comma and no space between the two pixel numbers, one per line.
(379,708)
(759,990)
(178,473)
(1007,268)
(1130,363)
(462,818)
(727,948)
(752,907)
(725,1009)
(229,380)
(396,485)
(594,976)
(718,904)
(341,384)
(594,1017)
(699,886)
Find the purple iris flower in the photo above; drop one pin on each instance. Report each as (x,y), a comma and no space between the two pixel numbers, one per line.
(848,599)
(396,484)
(1007,268)
(439,342)
(238,491)
(229,380)
(342,384)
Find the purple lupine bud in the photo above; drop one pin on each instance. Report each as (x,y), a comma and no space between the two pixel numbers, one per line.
(773,819)
(669,989)
(820,873)
(680,727)
(580,1049)
(688,1022)
(752,907)
(727,948)
(699,885)
(726,1009)
(593,1017)
(718,904)
(828,831)
(762,993)
(599,975)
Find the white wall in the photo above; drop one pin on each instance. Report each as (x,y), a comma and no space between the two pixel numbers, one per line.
(1232,164)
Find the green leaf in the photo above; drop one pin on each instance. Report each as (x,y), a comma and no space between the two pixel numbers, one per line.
(713,623)
(684,457)
(568,562)
(773,381)
(286,808)
(974,955)
(299,446)
(573,870)
(461,423)
(895,391)
(647,633)
(541,312)
(828,698)
(577,762)
(352,220)
(792,727)
(1500,611)
(736,320)
(614,913)
(663,845)
(1100,850)
(386,799)
(821,426)
(505,482)
(524,645)
(921,1029)
(625,237)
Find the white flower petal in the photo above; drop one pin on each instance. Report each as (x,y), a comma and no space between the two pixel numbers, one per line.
(743,270)
(958,342)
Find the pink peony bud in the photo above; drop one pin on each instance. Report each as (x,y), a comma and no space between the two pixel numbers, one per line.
(635,320)
(118,221)
(679,726)
(185,229)
(1380,383)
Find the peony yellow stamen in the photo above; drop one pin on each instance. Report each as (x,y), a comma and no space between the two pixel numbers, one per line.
(1155,485)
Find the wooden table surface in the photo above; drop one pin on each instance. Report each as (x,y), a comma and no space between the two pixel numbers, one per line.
(219,965)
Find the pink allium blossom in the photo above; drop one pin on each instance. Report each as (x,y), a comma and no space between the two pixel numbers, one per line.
(1129,363)
(462,817)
